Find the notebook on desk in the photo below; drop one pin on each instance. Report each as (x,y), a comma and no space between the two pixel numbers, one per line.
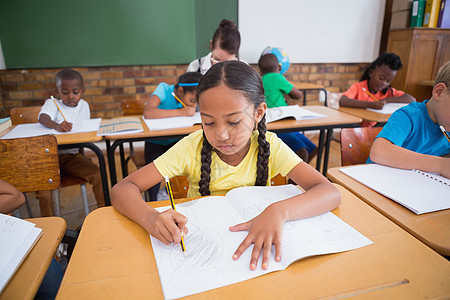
(419,191)
(210,244)
(388,108)
(291,111)
(18,237)
(174,122)
(123,125)
(37,129)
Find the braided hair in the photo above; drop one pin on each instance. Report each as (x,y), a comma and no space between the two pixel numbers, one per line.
(240,77)
(391,60)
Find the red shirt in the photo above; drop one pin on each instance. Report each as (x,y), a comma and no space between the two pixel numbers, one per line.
(356,92)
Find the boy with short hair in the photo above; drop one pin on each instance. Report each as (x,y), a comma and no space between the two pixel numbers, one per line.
(276,86)
(70,88)
(412,137)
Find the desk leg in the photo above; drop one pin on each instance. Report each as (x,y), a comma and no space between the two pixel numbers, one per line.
(327,151)
(123,163)
(112,162)
(320,149)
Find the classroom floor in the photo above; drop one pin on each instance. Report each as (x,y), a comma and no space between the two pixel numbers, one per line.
(71,206)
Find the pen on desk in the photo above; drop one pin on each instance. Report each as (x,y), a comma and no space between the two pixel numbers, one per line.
(178,99)
(58,108)
(444,132)
(370,95)
(172,204)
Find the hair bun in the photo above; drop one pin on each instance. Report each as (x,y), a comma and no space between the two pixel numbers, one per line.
(227,23)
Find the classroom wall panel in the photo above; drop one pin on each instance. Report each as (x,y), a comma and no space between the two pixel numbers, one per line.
(326,31)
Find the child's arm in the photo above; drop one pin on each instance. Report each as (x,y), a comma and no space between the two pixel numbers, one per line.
(405,98)
(126,198)
(386,153)
(152,111)
(295,93)
(348,102)
(45,120)
(266,229)
(10,198)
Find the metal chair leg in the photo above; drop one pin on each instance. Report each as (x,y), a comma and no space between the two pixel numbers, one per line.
(56,203)
(84,199)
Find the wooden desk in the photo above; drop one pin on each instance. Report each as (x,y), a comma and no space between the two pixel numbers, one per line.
(334,119)
(365,114)
(83,140)
(113,258)
(306,86)
(28,277)
(433,229)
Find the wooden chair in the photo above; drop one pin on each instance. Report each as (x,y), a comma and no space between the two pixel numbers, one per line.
(180,185)
(23,115)
(32,164)
(133,107)
(356,143)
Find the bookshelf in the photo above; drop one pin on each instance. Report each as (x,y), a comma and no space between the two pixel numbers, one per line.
(422,51)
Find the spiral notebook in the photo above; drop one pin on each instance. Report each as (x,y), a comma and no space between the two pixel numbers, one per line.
(18,237)
(419,191)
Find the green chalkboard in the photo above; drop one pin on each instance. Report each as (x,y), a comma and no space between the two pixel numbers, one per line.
(79,33)
(68,33)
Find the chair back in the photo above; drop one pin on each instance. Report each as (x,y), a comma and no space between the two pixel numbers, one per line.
(356,143)
(180,185)
(132,107)
(30,164)
(23,115)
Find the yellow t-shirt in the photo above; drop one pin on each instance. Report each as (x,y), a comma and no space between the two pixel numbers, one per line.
(184,159)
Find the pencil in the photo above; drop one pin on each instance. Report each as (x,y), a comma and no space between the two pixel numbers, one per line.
(444,132)
(172,204)
(370,95)
(58,108)
(178,99)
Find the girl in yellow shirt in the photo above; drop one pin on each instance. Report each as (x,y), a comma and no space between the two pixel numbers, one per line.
(232,150)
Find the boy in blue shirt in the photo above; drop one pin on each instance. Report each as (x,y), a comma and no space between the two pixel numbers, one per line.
(276,86)
(412,137)
(170,101)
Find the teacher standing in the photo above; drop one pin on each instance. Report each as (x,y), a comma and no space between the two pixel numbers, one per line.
(224,46)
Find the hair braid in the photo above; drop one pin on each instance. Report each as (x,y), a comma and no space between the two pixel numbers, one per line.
(262,169)
(205,170)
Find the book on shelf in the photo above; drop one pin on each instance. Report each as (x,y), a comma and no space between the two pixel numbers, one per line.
(444,15)
(18,237)
(420,192)
(431,15)
(417,13)
(122,125)
(210,245)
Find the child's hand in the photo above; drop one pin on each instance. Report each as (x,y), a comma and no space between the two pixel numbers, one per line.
(376,104)
(187,111)
(64,127)
(265,230)
(445,168)
(167,226)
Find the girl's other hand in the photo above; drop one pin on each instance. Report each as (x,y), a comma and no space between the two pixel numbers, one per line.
(264,230)
(168,226)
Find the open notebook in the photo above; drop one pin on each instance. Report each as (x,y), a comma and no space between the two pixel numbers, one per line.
(419,191)
(122,125)
(37,129)
(17,238)
(272,114)
(291,111)
(210,244)
(388,108)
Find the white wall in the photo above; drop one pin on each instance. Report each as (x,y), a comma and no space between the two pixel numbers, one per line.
(312,31)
